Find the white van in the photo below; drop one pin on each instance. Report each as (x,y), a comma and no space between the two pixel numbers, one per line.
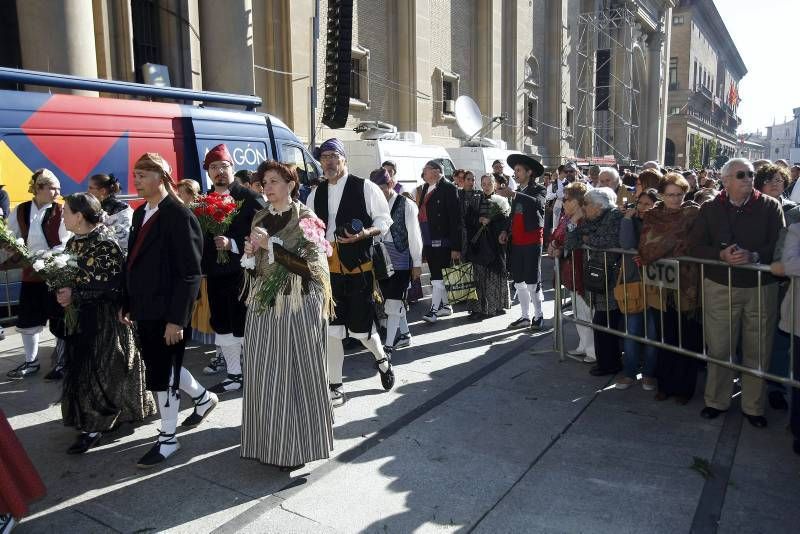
(479,159)
(364,156)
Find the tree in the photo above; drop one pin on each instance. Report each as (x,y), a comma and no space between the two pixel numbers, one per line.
(696,152)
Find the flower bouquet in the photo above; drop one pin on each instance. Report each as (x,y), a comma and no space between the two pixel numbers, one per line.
(215,213)
(498,206)
(275,282)
(10,242)
(58,270)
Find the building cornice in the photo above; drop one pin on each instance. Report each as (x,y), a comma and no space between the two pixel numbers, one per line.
(708,10)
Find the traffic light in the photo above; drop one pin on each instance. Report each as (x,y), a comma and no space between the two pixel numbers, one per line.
(338,64)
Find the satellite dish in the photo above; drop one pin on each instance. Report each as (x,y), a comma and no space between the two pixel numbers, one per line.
(468,116)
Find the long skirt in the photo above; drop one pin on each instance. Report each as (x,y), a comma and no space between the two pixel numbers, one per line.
(20,484)
(104,381)
(286,410)
(492,289)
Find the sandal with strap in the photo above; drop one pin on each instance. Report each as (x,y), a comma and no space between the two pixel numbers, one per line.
(224,386)
(154,456)
(196,418)
(26,369)
(387,377)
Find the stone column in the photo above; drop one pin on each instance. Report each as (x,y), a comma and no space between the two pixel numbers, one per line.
(489,56)
(555,80)
(58,37)
(662,135)
(180,43)
(226,44)
(653,116)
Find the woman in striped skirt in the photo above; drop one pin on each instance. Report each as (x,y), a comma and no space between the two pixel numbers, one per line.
(286,412)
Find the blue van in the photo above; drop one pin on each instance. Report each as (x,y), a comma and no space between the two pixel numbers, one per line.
(78,136)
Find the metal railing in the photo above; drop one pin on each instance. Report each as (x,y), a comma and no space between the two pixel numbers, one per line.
(674,266)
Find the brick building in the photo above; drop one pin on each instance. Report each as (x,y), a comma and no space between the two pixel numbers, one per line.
(704,73)
(411,60)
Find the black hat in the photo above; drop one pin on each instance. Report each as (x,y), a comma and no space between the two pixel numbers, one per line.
(527,161)
(435,165)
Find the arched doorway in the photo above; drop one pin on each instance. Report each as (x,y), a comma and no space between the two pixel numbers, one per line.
(669,153)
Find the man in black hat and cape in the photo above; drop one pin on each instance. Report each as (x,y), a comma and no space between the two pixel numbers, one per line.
(526,233)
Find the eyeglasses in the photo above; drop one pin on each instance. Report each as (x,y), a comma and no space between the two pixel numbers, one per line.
(774,181)
(219,166)
(333,155)
(741,175)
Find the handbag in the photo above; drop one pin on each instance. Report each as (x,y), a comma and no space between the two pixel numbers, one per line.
(629,296)
(381,261)
(595,273)
(459,281)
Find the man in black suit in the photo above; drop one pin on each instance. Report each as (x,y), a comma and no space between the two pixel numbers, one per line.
(526,236)
(440,220)
(224,281)
(162,279)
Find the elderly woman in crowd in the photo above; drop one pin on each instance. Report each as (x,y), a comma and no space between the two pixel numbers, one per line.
(647,179)
(118,215)
(665,234)
(486,217)
(636,354)
(772,180)
(571,267)
(601,231)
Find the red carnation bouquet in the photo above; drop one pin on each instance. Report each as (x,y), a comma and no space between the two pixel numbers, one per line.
(215,213)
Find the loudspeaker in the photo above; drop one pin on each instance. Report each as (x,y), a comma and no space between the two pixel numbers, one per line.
(338,63)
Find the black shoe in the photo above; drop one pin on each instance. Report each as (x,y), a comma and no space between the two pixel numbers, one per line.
(522,322)
(777,401)
(290,468)
(537,323)
(154,456)
(758,421)
(230,384)
(84,442)
(56,374)
(501,311)
(475,316)
(711,413)
(387,377)
(26,369)
(195,419)
(599,371)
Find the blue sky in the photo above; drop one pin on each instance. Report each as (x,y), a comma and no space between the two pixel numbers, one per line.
(766,34)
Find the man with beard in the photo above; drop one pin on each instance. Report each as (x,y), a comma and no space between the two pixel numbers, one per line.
(526,233)
(354,211)
(224,280)
(501,178)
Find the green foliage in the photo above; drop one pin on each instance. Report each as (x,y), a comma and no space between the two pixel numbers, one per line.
(696,153)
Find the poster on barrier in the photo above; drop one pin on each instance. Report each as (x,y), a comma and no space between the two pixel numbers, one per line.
(663,273)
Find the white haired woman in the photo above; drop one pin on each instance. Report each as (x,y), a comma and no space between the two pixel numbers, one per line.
(601,231)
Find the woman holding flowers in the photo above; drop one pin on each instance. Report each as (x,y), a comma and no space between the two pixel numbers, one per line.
(286,411)
(486,217)
(104,380)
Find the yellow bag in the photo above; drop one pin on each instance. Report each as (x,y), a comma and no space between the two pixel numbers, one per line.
(459,281)
(201,315)
(629,296)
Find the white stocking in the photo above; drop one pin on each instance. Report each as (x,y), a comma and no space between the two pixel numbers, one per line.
(438,294)
(31,344)
(395,312)
(168,406)
(190,385)
(536,298)
(232,351)
(524,297)
(335,360)
(373,344)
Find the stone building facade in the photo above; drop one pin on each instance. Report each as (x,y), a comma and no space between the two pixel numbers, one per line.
(518,58)
(704,67)
(781,138)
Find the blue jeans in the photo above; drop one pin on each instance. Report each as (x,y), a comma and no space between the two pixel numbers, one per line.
(635,351)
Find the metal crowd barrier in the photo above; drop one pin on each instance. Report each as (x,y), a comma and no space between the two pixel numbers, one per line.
(672,265)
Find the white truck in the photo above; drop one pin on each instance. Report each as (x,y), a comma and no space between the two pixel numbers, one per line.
(405,150)
(479,159)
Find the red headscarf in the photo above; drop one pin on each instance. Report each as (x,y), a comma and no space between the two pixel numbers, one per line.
(218,153)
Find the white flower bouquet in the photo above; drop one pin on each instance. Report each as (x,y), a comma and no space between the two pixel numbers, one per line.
(58,270)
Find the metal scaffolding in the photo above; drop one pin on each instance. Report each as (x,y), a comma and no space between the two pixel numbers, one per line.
(607,118)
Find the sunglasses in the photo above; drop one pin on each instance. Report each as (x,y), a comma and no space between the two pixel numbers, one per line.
(741,175)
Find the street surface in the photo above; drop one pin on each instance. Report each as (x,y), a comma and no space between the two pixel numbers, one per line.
(485,431)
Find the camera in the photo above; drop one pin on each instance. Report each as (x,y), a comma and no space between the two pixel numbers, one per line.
(354,227)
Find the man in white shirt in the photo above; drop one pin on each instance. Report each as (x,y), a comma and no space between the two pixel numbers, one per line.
(40,223)
(403,242)
(354,211)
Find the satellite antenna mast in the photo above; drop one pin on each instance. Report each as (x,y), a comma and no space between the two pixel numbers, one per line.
(470,122)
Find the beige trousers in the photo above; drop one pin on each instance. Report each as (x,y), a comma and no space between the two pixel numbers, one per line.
(722,330)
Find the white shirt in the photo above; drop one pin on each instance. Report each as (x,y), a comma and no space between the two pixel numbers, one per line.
(149,212)
(795,196)
(412,228)
(377,207)
(36,238)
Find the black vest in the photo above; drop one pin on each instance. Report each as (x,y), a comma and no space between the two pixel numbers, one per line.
(398,228)
(352,206)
